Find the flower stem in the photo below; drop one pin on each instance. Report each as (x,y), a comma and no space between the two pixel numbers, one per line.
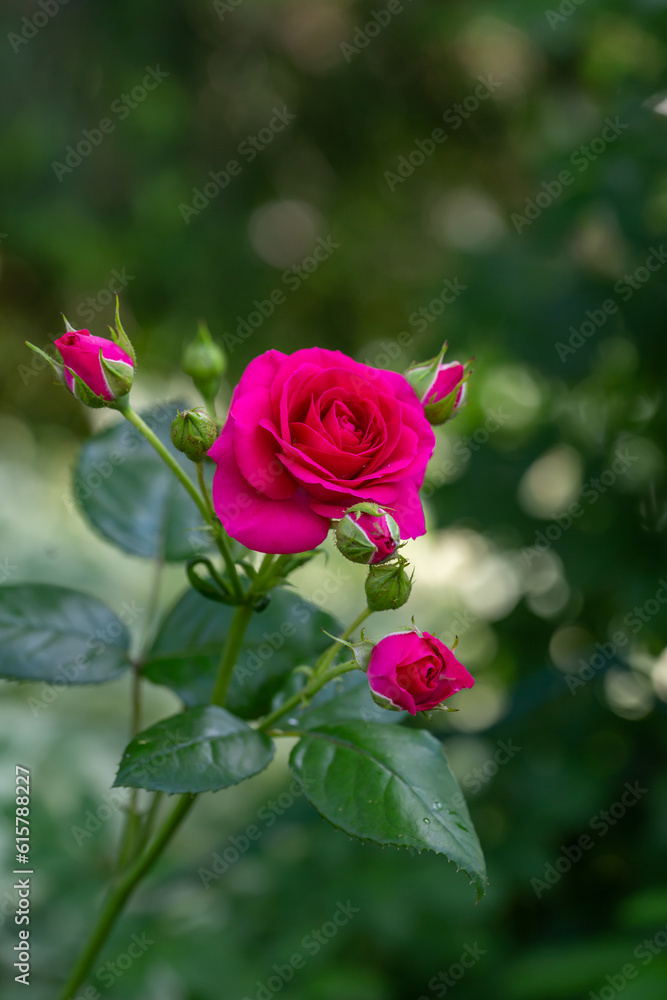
(313,686)
(219,534)
(237,628)
(329,654)
(132,838)
(120,894)
(167,457)
(203,489)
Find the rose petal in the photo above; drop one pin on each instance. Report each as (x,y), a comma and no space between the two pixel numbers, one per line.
(255,447)
(262,524)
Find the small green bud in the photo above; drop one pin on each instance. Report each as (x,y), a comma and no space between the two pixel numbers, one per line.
(204,362)
(193,432)
(388,586)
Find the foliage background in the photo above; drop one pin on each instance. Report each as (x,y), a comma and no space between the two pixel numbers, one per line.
(529,622)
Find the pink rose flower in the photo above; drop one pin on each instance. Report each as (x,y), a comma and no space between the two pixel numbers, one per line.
(414,671)
(80,352)
(308,436)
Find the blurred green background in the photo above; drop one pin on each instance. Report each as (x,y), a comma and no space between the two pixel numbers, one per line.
(530,238)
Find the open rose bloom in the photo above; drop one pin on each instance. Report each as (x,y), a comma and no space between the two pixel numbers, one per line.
(308,436)
(414,671)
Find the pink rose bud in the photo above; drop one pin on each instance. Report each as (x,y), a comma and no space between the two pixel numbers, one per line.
(367,535)
(413,671)
(441,387)
(96,370)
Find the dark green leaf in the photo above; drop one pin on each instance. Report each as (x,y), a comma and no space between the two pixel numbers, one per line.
(200,750)
(389,785)
(55,634)
(186,651)
(132,498)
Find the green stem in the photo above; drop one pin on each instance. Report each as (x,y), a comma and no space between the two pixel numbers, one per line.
(149,820)
(237,628)
(209,403)
(133,820)
(330,654)
(359,620)
(167,457)
(313,686)
(219,534)
(120,894)
(132,839)
(203,489)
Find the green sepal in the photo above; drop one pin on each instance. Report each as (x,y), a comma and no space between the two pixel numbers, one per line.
(444,409)
(120,337)
(360,650)
(58,369)
(68,326)
(118,379)
(85,394)
(421,375)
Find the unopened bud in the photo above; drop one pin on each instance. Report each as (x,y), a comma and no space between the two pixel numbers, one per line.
(367,536)
(388,586)
(193,432)
(441,387)
(204,362)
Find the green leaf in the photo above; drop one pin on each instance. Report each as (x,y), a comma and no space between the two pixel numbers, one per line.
(132,498)
(200,750)
(186,650)
(55,634)
(390,785)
